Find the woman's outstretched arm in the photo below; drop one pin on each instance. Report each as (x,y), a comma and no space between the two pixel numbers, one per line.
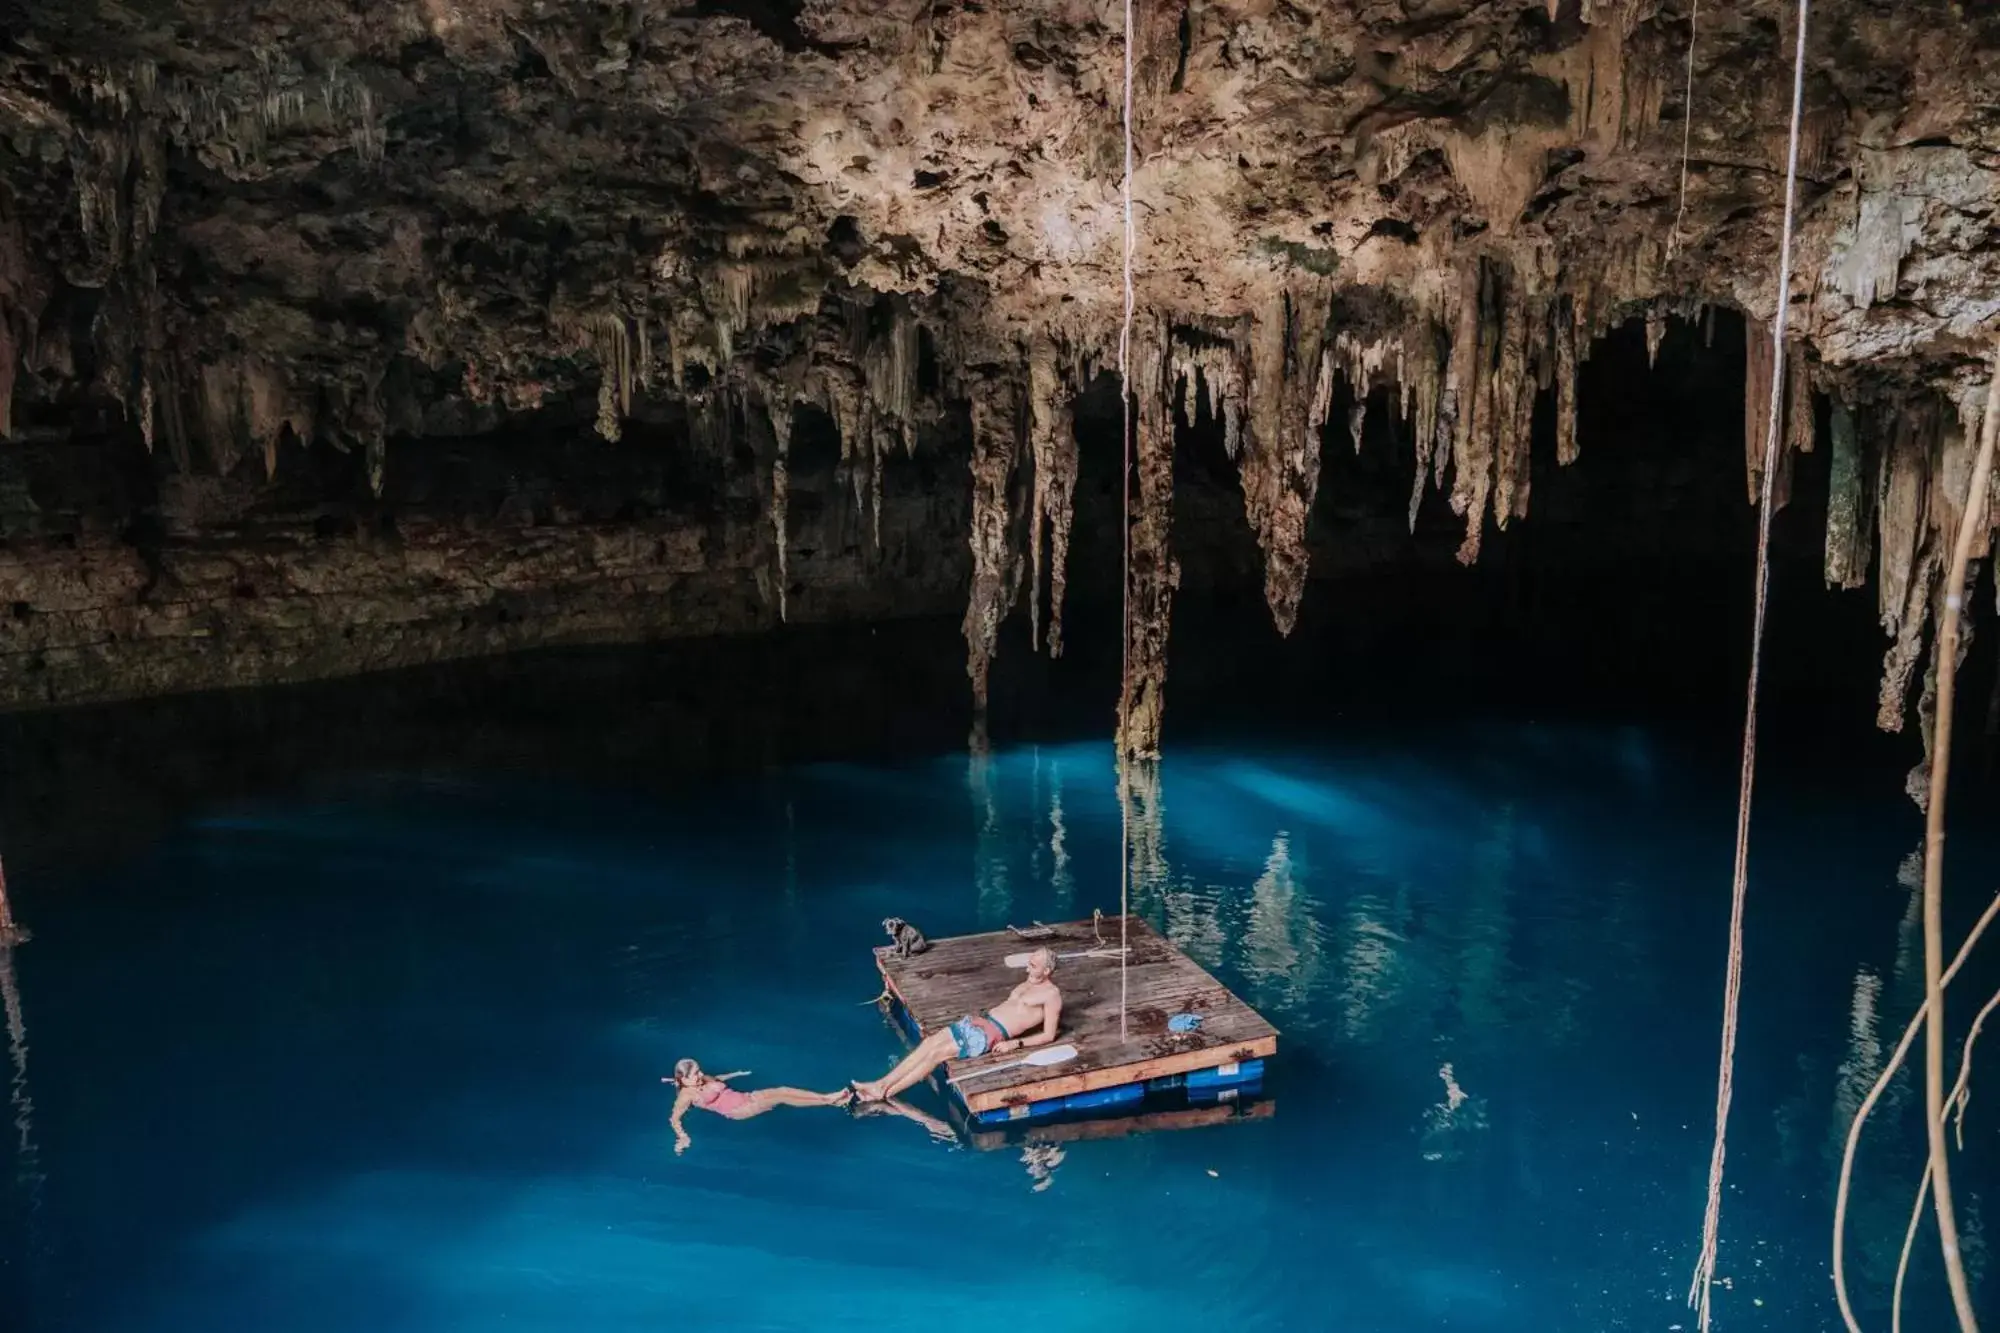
(682,1099)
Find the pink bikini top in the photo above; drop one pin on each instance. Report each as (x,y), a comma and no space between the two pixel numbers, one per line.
(716,1095)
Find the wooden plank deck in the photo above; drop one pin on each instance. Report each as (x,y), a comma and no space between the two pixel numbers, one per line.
(968,973)
(1117,1127)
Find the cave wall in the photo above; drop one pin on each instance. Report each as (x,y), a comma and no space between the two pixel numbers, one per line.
(121,575)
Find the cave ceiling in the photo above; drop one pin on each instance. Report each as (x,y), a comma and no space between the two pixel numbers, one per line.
(238,228)
(331,186)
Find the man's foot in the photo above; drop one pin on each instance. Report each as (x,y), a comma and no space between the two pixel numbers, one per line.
(867,1092)
(841,1098)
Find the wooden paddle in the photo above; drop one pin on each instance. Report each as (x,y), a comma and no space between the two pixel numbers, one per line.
(1048,1055)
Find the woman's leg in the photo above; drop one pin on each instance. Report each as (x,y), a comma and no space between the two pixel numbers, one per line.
(801,1097)
(931,1052)
(766,1099)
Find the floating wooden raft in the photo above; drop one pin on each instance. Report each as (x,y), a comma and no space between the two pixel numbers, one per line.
(1116,1127)
(1218,1061)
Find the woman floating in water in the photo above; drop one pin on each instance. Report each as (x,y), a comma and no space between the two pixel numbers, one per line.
(711,1092)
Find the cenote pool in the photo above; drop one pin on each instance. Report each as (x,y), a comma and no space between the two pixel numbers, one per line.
(382,1051)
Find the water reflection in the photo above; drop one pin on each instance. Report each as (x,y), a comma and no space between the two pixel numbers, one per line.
(1372,962)
(1863,1065)
(990,849)
(1041,1160)
(1448,1123)
(1146,837)
(28,1177)
(1484,930)
(1283,952)
(1062,885)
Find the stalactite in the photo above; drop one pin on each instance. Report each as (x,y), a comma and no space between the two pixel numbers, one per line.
(1910,554)
(1849,508)
(1218,369)
(608,425)
(889,370)
(839,389)
(1366,362)
(1513,410)
(781,493)
(1566,335)
(1866,258)
(1154,573)
(1468,381)
(877,465)
(1656,333)
(1363,363)
(162,415)
(1613,101)
(676,356)
(1799,422)
(1423,386)
(1290,391)
(605,334)
(99,160)
(1951,474)
(1758,370)
(1917,782)
(728,289)
(996,440)
(246,406)
(268,409)
(878,396)
(1052,442)
(708,425)
(1502,167)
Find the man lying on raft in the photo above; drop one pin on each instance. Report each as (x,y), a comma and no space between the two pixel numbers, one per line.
(711,1092)
(1027,1017)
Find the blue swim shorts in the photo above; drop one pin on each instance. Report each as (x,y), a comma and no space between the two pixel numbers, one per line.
(972,1037)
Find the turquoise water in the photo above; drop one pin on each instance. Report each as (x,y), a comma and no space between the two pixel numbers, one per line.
(383,1053)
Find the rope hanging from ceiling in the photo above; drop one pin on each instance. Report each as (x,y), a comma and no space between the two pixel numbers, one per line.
(1125,589)
(1700,1289)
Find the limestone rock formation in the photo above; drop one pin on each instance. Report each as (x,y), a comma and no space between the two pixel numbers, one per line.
(256,238)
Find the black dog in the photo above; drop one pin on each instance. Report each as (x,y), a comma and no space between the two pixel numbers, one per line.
(908,939)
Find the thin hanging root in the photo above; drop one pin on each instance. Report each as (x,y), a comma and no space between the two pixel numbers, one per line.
(1960,1094)
(1687,135)
(1909,1244)
(1961,1091)
(1972,524)
(1845,1184)
(1701,1288)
